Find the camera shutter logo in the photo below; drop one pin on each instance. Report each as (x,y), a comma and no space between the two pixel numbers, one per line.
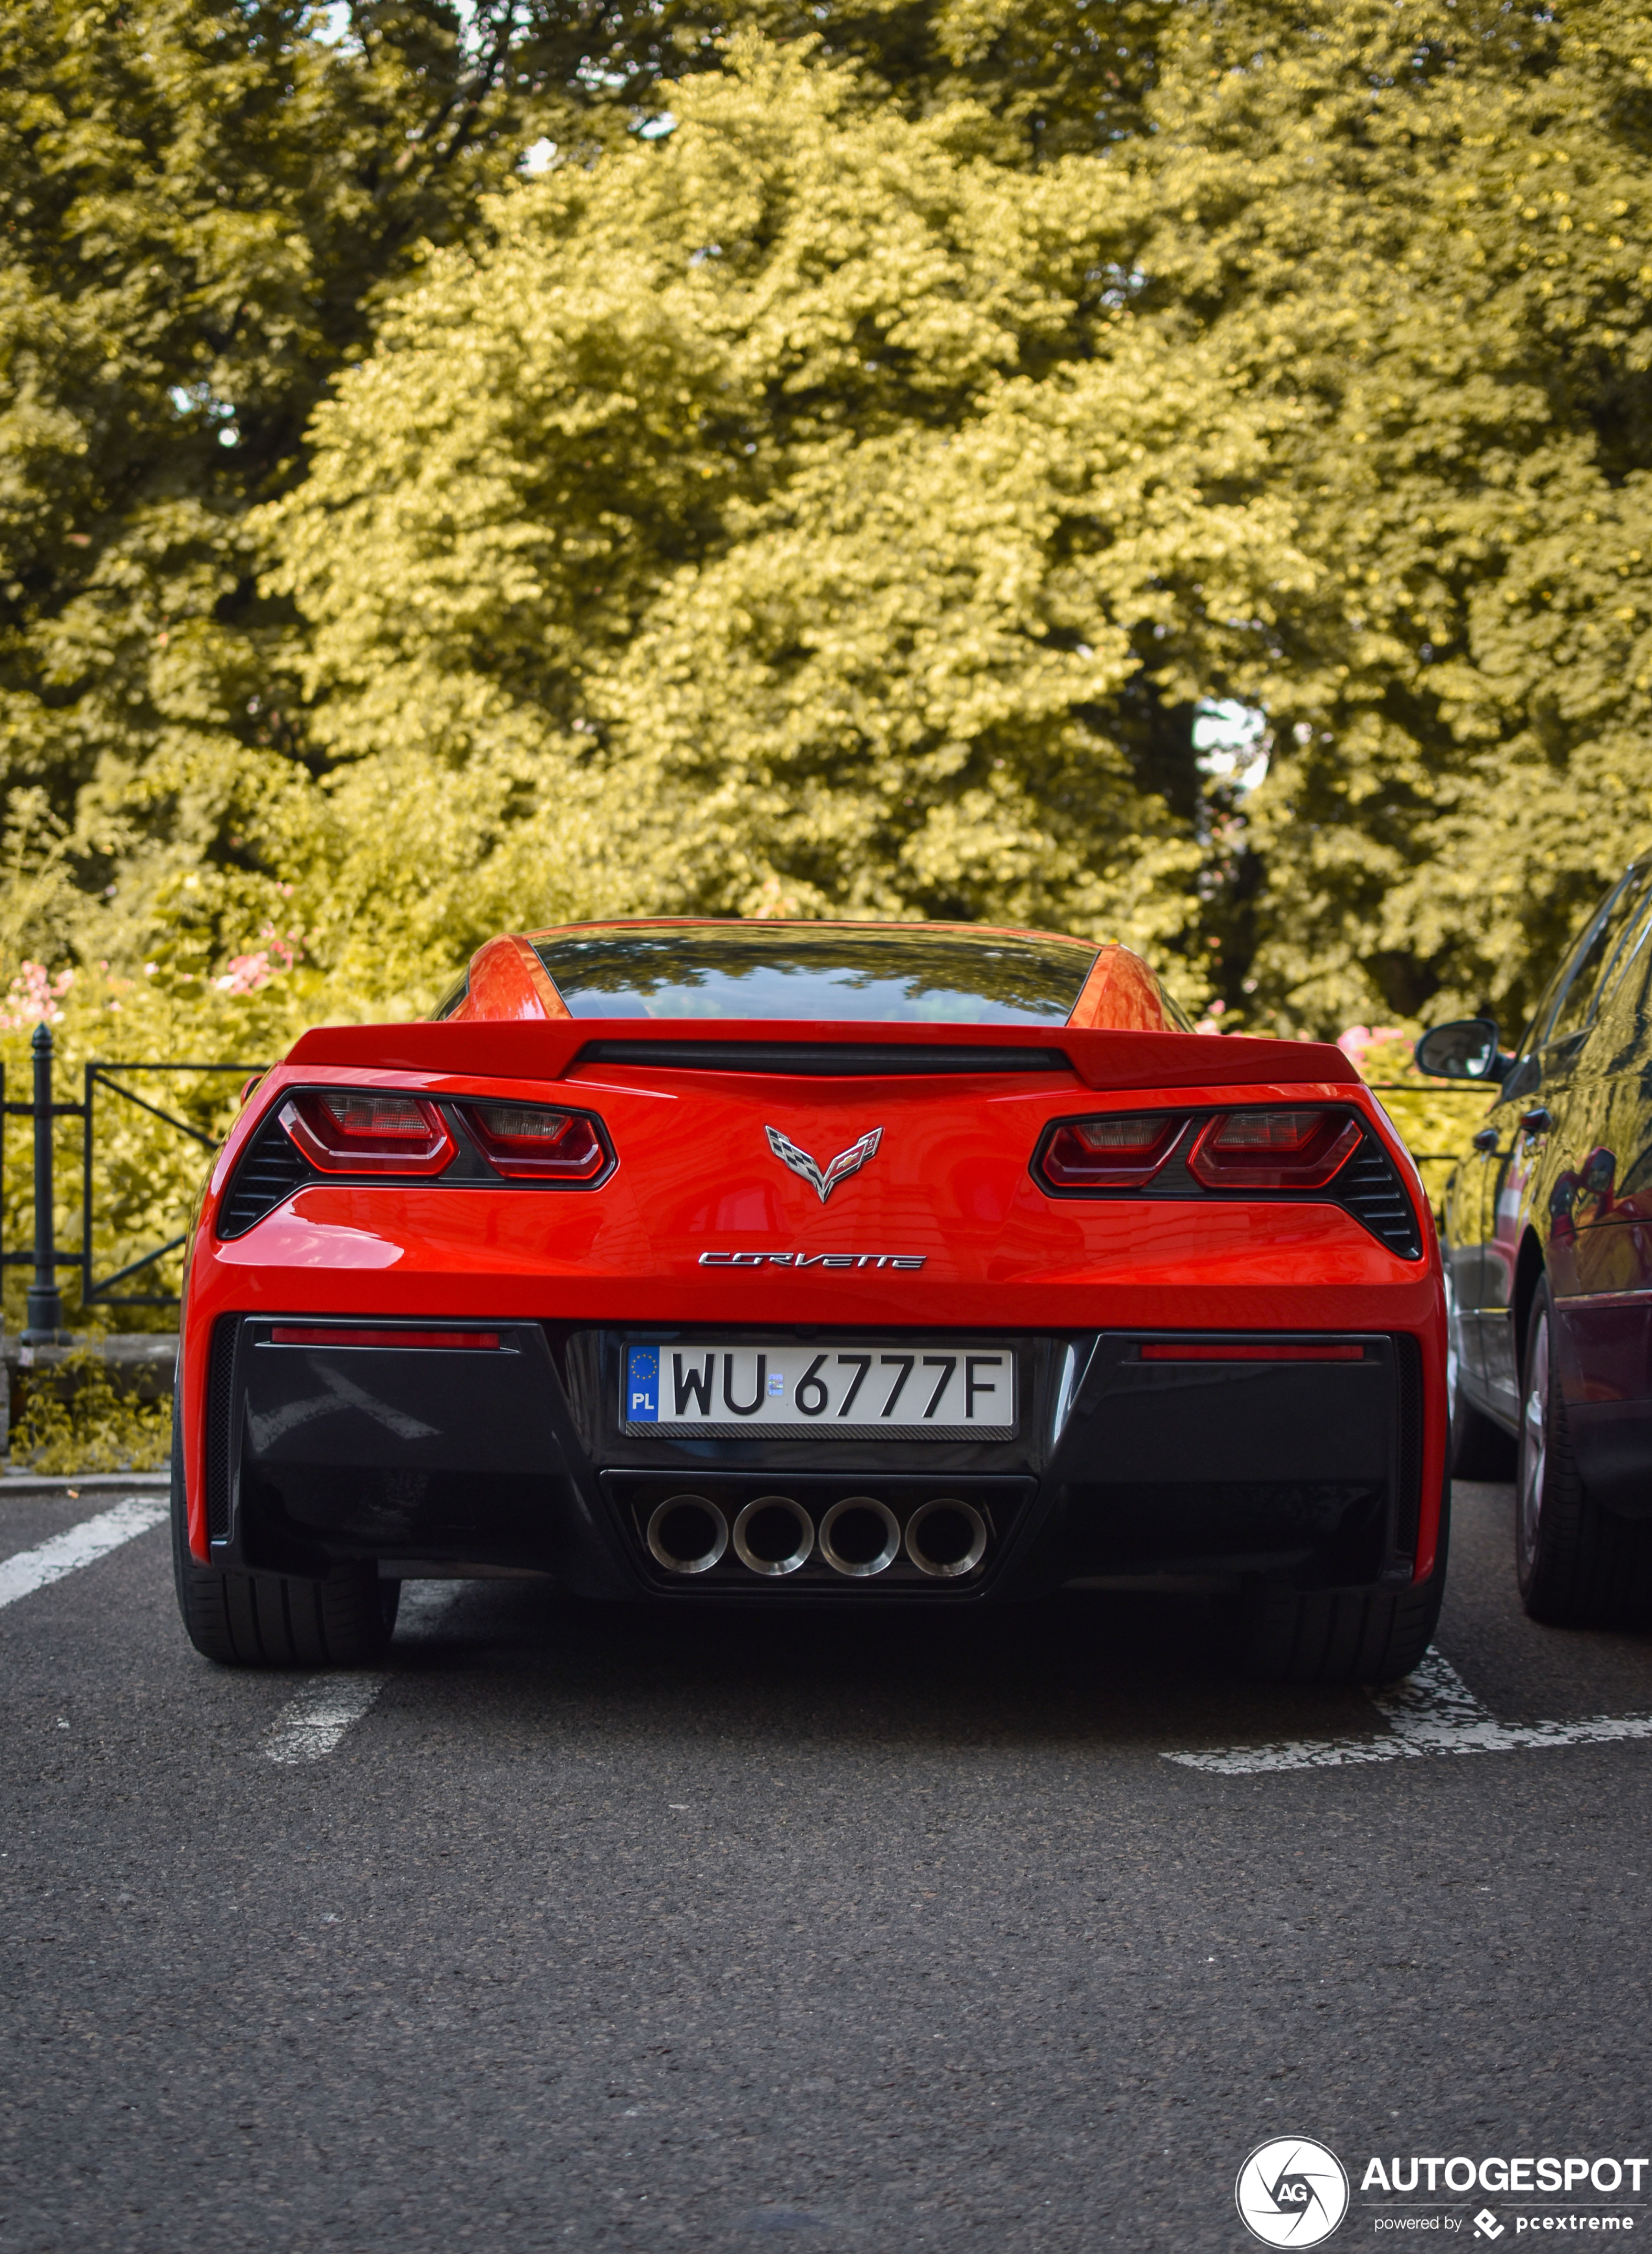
(1291,2192)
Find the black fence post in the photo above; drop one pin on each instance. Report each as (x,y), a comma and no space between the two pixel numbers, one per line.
(45,1324)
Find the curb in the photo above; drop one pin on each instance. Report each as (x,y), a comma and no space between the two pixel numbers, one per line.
(99,1482)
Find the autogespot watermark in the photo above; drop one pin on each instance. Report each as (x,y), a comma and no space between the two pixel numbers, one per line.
(1291,2192)
(1294,2191)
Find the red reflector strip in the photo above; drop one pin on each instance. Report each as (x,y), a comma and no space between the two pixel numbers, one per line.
(1166,1353)
(286,1334)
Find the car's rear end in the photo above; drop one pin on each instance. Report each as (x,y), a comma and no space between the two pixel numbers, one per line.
(891,1310)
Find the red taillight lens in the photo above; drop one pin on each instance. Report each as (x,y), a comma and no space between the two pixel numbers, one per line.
(357,1132)
(1273,1150)
(1113,1152)
(527,1143)
(294,1335)
(1168,1350)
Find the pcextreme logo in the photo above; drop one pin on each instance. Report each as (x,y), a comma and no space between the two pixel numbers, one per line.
(1291,2192)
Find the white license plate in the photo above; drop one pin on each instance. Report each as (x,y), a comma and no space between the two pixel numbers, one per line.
(947,1392)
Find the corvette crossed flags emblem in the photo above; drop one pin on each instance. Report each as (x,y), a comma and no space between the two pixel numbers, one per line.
(846,1163)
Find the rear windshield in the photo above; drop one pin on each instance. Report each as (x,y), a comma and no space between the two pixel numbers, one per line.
(818,970)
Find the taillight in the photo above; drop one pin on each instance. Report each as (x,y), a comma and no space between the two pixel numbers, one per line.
(1234,1350)
(525,1141)
(334,1334)
(1116,1152)
(1273,1150)
(357,1132)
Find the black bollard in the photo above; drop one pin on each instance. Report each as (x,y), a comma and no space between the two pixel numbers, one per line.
(45,1324)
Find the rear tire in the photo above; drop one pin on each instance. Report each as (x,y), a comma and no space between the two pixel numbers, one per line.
(1480,1448)
(276,1620)
(1342,1636)
(1578,1565)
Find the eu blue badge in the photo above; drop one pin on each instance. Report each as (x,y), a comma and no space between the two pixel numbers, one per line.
(642,1385)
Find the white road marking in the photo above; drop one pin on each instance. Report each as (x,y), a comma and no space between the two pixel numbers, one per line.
(316,1722)
(1432,1711)
(80,1545)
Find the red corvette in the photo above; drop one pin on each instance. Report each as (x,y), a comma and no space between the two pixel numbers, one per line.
(703,1262)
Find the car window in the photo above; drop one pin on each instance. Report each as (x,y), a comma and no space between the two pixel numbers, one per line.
(777,970)
(1568,1003)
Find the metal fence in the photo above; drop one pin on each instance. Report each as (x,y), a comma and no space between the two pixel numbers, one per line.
(45,1322)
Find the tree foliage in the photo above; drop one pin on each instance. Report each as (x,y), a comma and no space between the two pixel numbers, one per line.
(1418,237)
(830,479)
(791,517)
(204,201)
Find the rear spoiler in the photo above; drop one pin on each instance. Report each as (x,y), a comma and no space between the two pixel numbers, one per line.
(524,1049)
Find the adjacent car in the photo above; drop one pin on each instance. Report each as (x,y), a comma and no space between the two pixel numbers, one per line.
(710,1262)
(1547,1229)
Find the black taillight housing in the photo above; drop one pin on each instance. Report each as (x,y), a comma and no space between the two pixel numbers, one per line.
(532,1143)
(1300,1149)
(399,1134)
(349,1131)
(1119,1149)
(390,1131)
(1276,1151)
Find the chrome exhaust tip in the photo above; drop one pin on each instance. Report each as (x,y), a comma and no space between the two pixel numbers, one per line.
(773,1535)
(946,1538)
(687,1534)
(860,1537)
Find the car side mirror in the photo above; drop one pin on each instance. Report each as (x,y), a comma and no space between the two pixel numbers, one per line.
(1464,1049)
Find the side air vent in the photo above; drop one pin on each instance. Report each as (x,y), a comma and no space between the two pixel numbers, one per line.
(271,1168)
(1371,1189)
(220,1410)
(823,1060)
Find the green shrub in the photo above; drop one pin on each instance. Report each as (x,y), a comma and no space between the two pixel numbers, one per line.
(74,1419)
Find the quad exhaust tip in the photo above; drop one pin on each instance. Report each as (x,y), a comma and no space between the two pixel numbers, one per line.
(946,1538)
(773,1535)
(687,1534)
(859,1536)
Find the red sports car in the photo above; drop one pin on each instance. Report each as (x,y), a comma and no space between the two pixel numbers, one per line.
(845,1264)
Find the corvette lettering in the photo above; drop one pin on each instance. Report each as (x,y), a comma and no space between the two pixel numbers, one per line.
(813,1259)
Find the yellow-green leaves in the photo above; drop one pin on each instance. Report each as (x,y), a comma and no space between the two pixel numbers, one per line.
(836,495)
(789,510)
(1417,236)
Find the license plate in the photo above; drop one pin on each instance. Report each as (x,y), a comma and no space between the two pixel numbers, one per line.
(945,1392)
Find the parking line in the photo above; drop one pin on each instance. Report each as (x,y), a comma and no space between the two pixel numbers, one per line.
(317,1721)
(80,1546)
(314,1723)
(1432,1711)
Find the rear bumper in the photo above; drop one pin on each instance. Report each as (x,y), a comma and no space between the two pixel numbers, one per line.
(1123,1468)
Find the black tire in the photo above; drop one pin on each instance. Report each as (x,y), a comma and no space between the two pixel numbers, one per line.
(1578,1565)
(276,1619)
(1477,1446)
(1480,1449)
(1341,1635)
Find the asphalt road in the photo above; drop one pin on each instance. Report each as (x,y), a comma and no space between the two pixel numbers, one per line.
(605,1931)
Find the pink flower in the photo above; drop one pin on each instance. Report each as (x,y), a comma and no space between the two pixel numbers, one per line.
(33,998)
(1358,1038)
(245,973)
